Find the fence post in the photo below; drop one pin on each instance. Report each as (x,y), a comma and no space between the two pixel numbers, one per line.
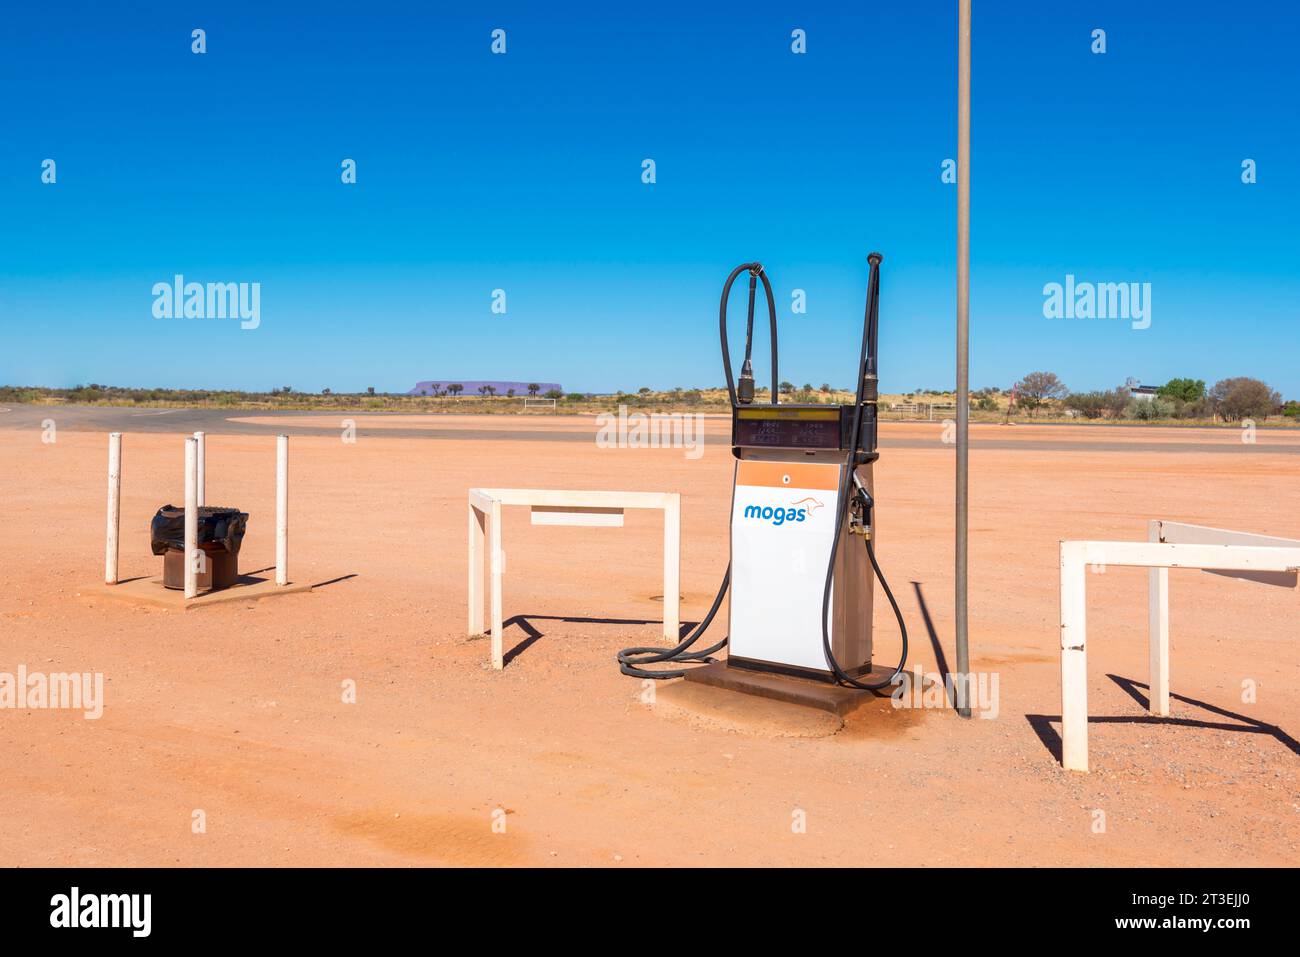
(114,507)
(191,517)
(282,509)
(202,480)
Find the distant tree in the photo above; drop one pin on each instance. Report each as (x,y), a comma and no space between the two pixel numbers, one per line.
(786,388)
(826,387)
(287,389)
(324,391)
(1243,398)
(455,388)
(510,392)
(1039,387)
(533,388)
(553,394)
(1183,390)
(370,389)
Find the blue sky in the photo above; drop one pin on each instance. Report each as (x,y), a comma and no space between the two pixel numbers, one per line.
(523,172)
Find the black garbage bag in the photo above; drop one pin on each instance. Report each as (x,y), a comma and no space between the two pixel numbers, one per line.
(220,529)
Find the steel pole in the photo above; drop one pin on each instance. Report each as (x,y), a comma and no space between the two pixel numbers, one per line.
(963,348)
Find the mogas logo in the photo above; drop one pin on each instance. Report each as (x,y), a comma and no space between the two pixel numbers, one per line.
(779,515)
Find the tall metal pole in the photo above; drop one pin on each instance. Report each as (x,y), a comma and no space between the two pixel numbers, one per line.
(963,347)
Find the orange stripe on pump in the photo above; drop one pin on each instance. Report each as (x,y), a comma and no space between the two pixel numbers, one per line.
(819,475)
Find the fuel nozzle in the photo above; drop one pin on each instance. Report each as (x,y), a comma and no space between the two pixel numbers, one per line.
(860,503)
(745,388)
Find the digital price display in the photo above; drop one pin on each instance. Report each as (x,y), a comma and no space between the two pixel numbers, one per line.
(787,428)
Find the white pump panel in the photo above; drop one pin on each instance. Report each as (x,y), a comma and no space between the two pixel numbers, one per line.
(783,521)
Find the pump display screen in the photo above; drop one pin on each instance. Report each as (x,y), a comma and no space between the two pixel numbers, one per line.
(787,428)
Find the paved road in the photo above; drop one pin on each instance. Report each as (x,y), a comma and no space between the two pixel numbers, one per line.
(217,422)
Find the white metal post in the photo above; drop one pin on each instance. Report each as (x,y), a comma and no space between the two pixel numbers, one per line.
(1074,659)
(191,517)
(202,481)
(496,566)
(114,507)
(282,510)
(672,567)
(477,545)
(1253,559)
(1158,632)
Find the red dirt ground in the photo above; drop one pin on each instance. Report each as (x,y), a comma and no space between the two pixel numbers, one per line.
(237,710)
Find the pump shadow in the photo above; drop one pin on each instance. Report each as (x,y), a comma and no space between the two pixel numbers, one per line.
(1051,739)
(532,634)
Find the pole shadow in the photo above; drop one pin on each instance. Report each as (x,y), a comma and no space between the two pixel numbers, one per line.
(940,658)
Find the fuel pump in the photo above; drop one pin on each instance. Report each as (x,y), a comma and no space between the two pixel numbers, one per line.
(801,587)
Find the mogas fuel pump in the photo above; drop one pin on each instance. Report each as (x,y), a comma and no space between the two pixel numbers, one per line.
(801,584)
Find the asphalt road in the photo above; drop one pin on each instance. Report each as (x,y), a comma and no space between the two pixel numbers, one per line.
(218,422)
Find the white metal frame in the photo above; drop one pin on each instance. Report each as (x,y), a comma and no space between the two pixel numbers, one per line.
(1173,545)
(561,507)
(194,496)
(537,398)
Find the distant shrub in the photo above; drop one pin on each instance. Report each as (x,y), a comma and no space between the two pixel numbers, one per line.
(1097,404)
(1146,410)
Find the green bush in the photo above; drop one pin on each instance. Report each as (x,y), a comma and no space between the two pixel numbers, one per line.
(1147,410)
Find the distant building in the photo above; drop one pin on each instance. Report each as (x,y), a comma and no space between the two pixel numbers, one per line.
(475,387)
(1144,393)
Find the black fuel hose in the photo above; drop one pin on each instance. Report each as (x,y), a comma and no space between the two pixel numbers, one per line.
(755,272)
(632,661)
(867,373)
